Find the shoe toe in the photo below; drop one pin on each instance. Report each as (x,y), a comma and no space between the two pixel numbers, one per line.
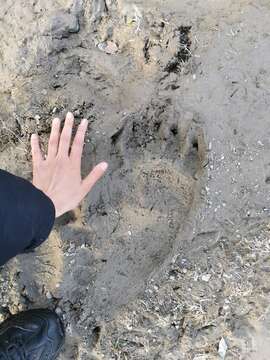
(39,332)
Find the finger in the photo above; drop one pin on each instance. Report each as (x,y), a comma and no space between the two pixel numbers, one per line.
(54,138)
(65,137)
(36,151)
(93,177)
(77,146)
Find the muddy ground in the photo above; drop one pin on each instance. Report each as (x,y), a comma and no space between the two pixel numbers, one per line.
(168,257)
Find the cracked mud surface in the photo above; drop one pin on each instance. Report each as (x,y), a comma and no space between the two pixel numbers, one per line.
(170,252)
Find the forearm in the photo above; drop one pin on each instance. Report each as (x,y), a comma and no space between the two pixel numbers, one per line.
(26,216)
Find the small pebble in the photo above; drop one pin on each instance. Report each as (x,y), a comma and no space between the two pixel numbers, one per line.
(222,349)
(48,295)
(109,47)
(58,311)
(37,118)
(77,113)
(206,277)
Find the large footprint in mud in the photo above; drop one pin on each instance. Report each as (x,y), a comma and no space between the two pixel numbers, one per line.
(136,212)
(150,217)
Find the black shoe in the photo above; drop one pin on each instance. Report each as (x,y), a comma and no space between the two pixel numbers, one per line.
(31,335)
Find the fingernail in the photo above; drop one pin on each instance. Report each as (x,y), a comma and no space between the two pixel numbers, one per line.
(104,166)
(56,121)
(69,115)
(34,136)
(84,122)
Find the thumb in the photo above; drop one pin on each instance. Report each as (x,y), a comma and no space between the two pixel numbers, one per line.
(98,171)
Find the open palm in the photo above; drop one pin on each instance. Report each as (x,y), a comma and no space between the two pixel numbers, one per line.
(58,175)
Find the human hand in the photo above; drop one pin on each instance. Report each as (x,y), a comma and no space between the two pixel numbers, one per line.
(59,174)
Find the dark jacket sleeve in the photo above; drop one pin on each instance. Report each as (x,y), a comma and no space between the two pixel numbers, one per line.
(26,216)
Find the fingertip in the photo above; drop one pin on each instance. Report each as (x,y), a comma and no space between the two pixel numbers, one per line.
(56,121)
(35,148)
(103,166)
(34,137)
(84,122)
(69,116)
